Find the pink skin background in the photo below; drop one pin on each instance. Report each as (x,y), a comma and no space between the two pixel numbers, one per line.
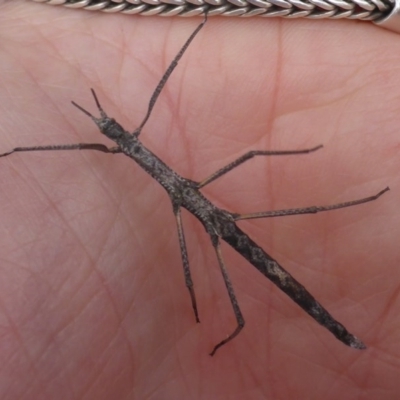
(92,297)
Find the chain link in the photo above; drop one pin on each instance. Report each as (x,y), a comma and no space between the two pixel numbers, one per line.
(370,10)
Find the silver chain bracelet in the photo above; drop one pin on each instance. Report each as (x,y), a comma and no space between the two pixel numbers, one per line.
(385,13)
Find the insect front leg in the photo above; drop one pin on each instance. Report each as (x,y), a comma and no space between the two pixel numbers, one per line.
(185,260)
(232,297)
(249,155)
(166,76)
(77,146)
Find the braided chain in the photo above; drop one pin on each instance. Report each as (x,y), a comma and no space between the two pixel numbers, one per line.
(370,10)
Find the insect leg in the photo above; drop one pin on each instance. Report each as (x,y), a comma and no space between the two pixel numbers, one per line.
(248,156)
(308,210)
(166,75)
(232,297)
(185,261)
(77,146)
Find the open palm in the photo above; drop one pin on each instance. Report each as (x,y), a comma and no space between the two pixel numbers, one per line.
(92,297)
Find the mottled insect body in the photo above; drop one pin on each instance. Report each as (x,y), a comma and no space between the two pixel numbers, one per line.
(219,223)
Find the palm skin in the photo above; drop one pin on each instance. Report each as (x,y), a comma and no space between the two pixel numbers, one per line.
(92,297)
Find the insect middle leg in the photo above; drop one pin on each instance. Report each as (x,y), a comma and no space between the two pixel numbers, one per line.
(247,156)
(279,213)
(77,146)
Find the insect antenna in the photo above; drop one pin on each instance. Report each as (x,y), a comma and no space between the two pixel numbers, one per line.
(102,113)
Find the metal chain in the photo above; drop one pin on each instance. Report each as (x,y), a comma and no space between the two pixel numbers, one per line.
(371,10)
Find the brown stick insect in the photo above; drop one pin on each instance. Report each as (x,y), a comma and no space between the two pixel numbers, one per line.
(218,223)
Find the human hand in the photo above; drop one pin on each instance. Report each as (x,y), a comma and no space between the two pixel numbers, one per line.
(93,301)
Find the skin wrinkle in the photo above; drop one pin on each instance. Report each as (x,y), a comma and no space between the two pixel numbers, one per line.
(364,385)
(340,120)
(345,83)
(38,309)
(28,72)
(77,315)
(154,76)
(185,378)
(386,311)
(97,376)
(5,365)
(27,182)
(104,40)
(94,270)
(153,392)
(166,375)
(103,364)
(38,188)
(176,103)
(60,215)
(122,61)
(119,317)
(99,42)
(26,390)
(335,379)
(119,83)
(345,372)
(139,292)
(324,250)
(19,338)
(100,182)
(73,317)
(342,373)
(372,296)
(173,100)
(305,106)
(62,372)
(224,201)
(139,238)
(326,372)
(150,360)
(388,357)
(272,119)
(133,231)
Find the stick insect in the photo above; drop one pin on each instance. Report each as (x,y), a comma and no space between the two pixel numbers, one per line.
(218,223)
